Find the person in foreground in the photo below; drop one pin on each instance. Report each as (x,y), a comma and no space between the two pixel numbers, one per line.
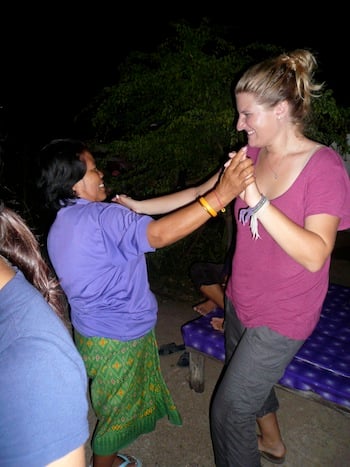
(98,252)
(287,221)
(43,381)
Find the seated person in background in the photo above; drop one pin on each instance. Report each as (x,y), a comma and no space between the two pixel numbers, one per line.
(43,395)
(210,280)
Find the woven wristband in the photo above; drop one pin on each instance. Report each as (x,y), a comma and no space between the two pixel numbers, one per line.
(251,215)
(204,203)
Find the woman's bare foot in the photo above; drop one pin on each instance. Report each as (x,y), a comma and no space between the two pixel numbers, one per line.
(205,307)
(217,323)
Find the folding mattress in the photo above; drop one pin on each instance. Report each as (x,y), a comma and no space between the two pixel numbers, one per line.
(321,368)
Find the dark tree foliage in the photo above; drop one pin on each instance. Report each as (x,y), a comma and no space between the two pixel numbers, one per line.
(169,122)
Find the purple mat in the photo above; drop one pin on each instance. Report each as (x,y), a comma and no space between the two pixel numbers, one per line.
(321,366)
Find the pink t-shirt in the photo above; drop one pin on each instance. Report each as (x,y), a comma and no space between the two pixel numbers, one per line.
(267,287)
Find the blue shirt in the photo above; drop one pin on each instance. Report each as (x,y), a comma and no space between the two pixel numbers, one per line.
(98,252)
(43,382)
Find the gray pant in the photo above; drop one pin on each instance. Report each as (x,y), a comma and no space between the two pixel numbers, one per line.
(255,361)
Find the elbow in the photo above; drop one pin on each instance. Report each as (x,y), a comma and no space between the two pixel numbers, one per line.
(315,265)
(156,242)
(156,237)
(313,268)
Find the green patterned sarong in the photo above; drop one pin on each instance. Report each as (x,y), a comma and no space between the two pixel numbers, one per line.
(128,392)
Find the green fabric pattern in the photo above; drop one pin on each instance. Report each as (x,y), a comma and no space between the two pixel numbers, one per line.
(128,391)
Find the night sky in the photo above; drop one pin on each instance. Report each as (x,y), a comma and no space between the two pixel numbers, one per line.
(55,60)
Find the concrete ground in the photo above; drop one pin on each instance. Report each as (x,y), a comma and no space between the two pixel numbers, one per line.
(315,435)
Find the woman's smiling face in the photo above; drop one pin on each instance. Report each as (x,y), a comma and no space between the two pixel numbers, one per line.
(91,186)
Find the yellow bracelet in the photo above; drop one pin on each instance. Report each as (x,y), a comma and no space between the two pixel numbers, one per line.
(204,203)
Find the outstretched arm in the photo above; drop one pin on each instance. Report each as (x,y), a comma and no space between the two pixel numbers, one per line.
(177,225)
(167,203)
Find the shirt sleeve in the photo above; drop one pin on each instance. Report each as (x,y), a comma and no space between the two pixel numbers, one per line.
(329,187)
(125,230)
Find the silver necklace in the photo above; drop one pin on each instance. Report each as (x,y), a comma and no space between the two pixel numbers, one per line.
(275,174)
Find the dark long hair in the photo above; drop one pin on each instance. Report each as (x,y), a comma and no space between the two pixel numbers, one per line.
(20,247)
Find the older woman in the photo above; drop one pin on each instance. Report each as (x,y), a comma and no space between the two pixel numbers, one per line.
(98,252)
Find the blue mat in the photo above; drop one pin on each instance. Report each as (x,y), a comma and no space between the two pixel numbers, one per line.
(322,365)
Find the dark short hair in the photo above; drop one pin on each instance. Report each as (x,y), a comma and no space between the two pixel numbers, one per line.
(60,168)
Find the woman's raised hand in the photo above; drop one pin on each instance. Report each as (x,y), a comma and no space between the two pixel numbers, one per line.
(237,175)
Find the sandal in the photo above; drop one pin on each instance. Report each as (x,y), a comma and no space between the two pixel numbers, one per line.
(128,460)
(271,458)
(184,359)
(167,349)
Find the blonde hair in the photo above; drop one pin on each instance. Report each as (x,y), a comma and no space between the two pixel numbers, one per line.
(289,77)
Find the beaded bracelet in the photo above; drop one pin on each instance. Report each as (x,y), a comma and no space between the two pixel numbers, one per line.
(251,214)
(204,203)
